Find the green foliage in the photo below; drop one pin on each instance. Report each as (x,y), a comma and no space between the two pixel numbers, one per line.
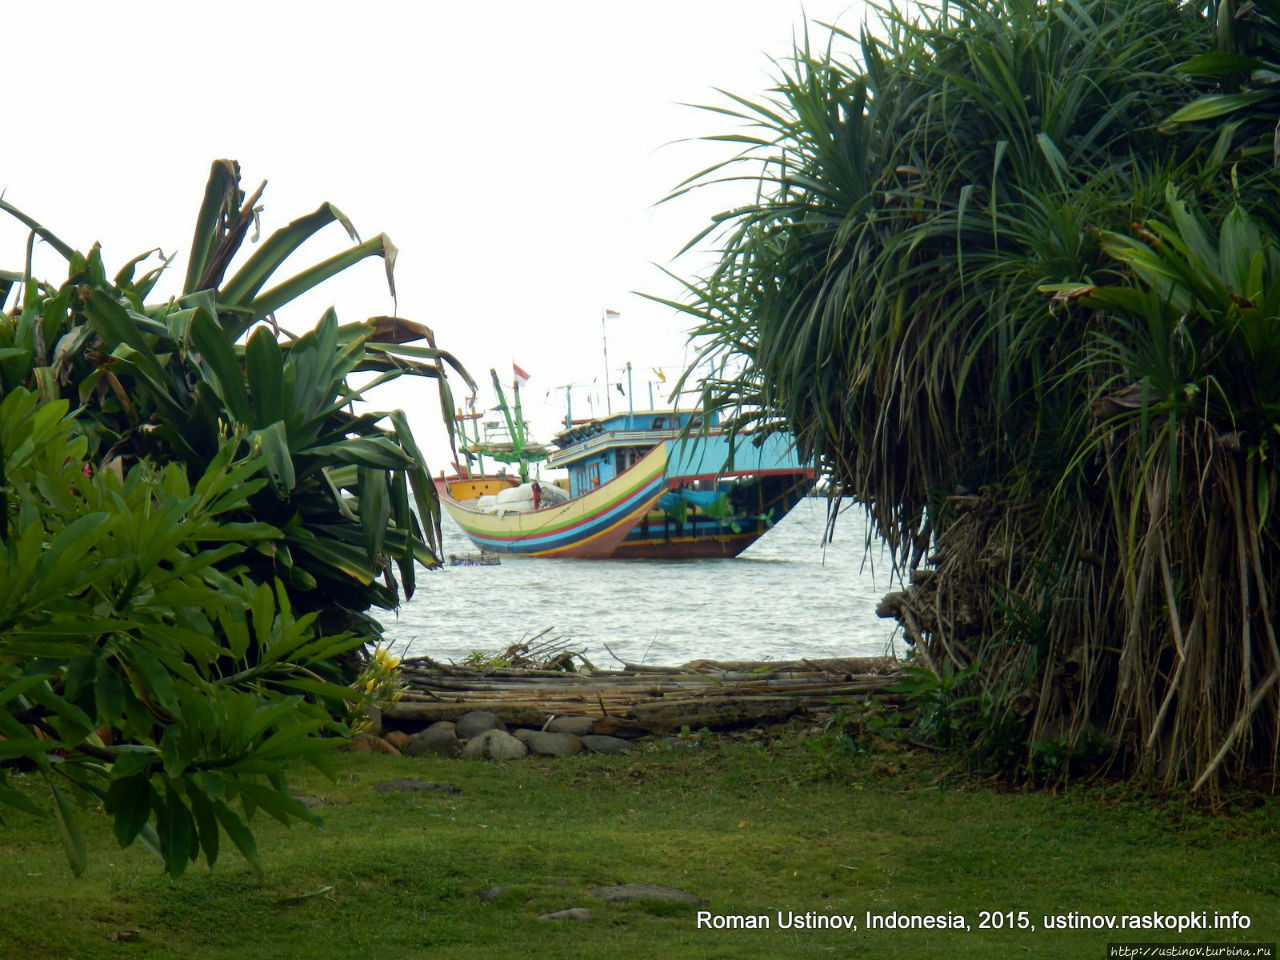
(350,493)
(1057,760)
(1243,99)
(879,296)
(140,667)
(943,711)
(186,559)
(833,753)
(381,682)
(1034,334)
(479,660)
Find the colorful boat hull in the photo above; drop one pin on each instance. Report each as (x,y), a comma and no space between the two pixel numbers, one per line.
(589,527)
(753,504)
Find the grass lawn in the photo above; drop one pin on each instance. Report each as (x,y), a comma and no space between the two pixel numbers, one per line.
(748,827)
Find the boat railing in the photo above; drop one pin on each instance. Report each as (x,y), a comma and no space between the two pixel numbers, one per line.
(611,438)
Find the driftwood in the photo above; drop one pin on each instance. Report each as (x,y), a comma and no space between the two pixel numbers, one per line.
(639,699)
(837,665)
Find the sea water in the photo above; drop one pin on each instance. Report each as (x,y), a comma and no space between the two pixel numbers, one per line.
(787,596)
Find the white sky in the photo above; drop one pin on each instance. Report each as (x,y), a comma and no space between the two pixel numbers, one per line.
(512,151)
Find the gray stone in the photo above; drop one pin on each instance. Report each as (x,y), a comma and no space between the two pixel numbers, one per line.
(523,734)
(599,743)
(491,894)
(433,740)
(580,914)
(311,801)
(496,745)
(547,744)
(578,726)
(643,891)
(477,722)
(374,713)
(415,786)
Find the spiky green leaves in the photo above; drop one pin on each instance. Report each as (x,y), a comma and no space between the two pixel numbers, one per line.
(171,382)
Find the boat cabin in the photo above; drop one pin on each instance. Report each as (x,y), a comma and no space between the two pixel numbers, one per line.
(597,450)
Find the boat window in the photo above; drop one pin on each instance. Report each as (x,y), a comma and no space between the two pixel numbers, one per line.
(659,423)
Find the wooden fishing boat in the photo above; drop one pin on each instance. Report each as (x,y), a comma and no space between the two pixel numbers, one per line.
(587,527)
(720,495)
(651,484)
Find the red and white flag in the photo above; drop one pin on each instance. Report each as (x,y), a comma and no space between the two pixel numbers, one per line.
(521,377)
(612,315)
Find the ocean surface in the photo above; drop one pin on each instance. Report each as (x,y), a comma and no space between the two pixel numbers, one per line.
(788,596)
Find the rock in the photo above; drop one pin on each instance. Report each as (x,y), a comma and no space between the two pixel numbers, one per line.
(436,739)
(572,913)
(415,786)
(644,891)
(599,743)
(547,744)
(374,713)
(311,801)
(476,722)
(523,734)
(365,743)
(496,745)
(397,738)
(578,726)
(491,894)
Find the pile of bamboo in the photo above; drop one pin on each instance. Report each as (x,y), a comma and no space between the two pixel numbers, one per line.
(639,699)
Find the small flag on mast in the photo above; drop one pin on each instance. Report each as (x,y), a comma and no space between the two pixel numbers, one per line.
(612,314)
(521,377)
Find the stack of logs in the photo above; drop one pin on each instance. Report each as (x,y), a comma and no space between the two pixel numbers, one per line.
(639,700)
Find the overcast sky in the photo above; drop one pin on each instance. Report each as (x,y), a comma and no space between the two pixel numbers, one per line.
(512,151)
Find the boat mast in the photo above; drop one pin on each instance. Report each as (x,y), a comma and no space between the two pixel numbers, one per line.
(604,342)
(471,446)
(517,435)
(568,405)
(475,433)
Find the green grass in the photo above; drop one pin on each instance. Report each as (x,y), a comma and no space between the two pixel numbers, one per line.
(748,828)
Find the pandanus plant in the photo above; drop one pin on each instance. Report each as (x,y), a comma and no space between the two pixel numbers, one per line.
(1089,480)
(169,381)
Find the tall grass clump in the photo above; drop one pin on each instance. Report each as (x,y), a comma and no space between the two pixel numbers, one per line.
(1008,275)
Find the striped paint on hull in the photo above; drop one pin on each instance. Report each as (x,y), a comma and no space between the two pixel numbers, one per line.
(589,528)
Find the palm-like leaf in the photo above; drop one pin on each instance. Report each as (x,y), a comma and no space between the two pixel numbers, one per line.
(169,381)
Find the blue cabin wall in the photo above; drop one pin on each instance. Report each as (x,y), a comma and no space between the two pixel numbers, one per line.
(591,472)
(599,467)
